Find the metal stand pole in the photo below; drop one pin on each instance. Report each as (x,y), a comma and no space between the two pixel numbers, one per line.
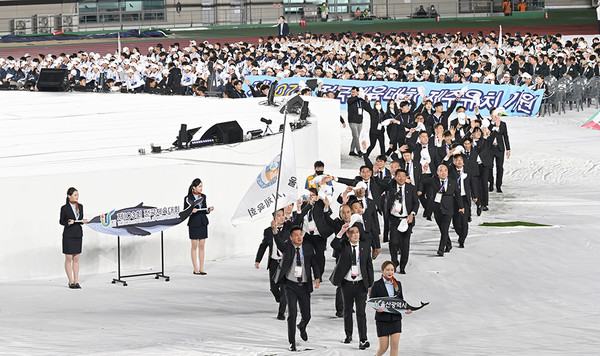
(156,275)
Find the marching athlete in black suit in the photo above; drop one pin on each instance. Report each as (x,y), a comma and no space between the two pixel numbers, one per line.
(372,190)
(360,204)
(443,192)
(278,226)
(354,274)
(197,223)
(466,184)
(71,217)
(481,144)
(403,203)
(337,224)
(296,272)
(381,172)
(315,228)
(389,326)
(499,144)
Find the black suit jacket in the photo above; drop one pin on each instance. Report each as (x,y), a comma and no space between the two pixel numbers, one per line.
(199,218)
(411,199)
(288,249)
(451,194)
(268,239)
(354,103)
(379,290)
(344,263)
(66,214)
(318,215)
(433,153)
(482,146)
(417,170)
(468,183)
(501,136)
(285,31)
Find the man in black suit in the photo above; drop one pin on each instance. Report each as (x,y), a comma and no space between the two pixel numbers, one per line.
(499,144)
(372,190)
(381,172)
(443,192)
(278,226)
(365,207)
(354,274)
(470,158)
(315,228)
(440,116)
(412,167)
(466,184)
(283,29)
(403,203)
(485,161)
(426,154)
(295,270)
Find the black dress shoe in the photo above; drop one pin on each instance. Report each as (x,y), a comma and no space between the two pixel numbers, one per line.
(499,190)
(303,334)
(461,245)
(339,314)
(348,340)
(402,271)
(448,248)
(491,189)
(280,317)
(360,154)
(352,153)
(363,345)
(485,208)
(292,347)
(77,286)
(479,208)
(469,219)
(440,253)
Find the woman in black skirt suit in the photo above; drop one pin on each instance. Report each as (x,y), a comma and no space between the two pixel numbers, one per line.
(71,217)
(197,224)
(389,326)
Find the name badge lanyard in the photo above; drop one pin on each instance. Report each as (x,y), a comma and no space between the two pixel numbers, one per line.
(355,263)
(443,186)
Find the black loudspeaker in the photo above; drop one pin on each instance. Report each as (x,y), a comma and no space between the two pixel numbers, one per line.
(53,79)
(225,132)
(293,105)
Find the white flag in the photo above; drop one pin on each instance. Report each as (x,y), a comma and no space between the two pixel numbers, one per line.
(260,197)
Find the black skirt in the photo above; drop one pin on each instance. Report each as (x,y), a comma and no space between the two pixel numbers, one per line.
(198,233)
(386,328)
(71,245)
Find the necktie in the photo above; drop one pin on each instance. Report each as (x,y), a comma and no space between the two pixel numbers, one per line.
(468,154)
(442,184)
(380,174)
(401,201)
(353,258)
(298,261)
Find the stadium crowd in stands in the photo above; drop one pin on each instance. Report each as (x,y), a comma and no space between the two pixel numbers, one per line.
(197,68)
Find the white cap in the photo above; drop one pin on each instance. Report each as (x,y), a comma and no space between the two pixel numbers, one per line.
(355,218)
(360,185)
(526,75)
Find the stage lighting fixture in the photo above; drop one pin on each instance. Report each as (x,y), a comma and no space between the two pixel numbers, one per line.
(155,149)
(202,143)
(268,130)
(266,121)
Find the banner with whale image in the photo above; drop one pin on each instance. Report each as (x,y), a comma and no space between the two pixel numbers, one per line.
(140,220)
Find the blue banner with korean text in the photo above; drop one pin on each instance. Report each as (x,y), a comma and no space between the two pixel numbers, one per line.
(516,100)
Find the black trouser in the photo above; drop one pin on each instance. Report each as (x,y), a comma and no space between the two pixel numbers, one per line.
(339,300)
(374,137)
(297,295)
(423,196)
(443,223)
(319,243)
(278,290)
(484,173)
(386,228)
(461,221)
(355,293)
(399,242)
(498,156)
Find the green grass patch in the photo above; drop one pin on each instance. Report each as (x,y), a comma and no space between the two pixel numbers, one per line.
(511,224)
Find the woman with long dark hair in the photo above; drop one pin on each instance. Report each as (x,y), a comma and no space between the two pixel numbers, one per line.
(389,326)
(197,223)
(71,217)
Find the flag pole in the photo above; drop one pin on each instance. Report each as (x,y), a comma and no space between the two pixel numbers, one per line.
(280,158)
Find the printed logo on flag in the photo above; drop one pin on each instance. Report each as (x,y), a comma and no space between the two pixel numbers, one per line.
(105,218)
(268,176)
